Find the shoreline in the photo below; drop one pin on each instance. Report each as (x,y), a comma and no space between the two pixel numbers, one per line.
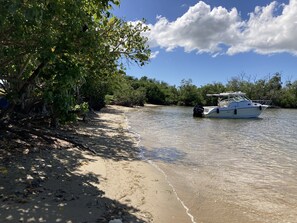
(62,183)
(142,185)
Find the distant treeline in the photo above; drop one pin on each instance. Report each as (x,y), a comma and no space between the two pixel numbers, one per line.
(133,91)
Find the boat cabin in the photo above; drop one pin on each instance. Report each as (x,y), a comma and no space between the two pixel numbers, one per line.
(232,99)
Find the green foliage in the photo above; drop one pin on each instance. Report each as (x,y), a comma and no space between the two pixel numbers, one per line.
(188,93)
(61,53)
(288,96)
(155,92)
(211,89)
(122,40)
(124,94)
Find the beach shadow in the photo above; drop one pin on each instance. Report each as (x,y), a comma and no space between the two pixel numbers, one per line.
(119,146)
(44,185)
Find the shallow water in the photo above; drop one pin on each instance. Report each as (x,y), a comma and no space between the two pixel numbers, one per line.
(224,170)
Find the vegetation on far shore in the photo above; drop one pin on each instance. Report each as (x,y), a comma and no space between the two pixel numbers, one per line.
(133,91)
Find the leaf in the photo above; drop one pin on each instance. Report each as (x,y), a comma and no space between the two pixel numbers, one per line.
(116,2)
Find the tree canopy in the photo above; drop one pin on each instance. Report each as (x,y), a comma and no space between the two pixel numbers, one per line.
(56,56)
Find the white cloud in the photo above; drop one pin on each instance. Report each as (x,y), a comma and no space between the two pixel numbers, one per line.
(267,33)
(205,30)
(200,29)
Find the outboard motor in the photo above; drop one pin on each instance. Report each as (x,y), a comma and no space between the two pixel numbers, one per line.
(198,111)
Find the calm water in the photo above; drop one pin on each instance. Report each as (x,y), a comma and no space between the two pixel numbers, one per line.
(224,170)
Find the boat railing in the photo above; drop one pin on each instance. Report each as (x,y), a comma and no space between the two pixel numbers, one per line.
(263,102)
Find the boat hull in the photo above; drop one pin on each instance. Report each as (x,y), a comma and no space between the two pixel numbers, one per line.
(234,113)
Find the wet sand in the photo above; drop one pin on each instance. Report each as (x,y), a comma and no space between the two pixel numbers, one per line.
(62,183)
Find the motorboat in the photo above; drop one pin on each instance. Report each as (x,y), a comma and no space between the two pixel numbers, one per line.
(233,105)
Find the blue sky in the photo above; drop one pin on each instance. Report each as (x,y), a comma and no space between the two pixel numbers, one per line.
(214,40)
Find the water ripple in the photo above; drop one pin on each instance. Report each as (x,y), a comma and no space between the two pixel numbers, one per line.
(247,166)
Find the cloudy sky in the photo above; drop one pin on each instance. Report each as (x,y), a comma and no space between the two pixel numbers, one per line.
(215,40)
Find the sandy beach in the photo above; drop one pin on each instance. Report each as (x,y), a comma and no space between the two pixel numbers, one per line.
(108,183)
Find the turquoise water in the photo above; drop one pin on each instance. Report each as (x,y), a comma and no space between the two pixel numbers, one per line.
(224,170)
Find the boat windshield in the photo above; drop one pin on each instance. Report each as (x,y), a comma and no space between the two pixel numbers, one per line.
(239,98)
(233,98)
(224,99)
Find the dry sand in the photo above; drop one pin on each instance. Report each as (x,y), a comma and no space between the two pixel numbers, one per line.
(66,184)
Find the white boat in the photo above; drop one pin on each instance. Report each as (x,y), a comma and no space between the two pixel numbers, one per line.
(230,105)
